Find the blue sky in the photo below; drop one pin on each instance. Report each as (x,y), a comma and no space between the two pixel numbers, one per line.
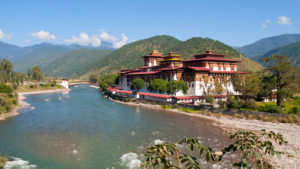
(91,22)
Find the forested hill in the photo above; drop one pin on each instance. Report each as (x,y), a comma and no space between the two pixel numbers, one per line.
(129,56)
(291,50)
(264,45)
(75,63)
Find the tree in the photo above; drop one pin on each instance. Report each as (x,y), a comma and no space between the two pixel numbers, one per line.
(285,75)
(29,73)
(158,85)
(37,73)
(218,87)
(249,85)
(175,86)
(7,67)
(93,78)
(253,148)
(137,84)
(108,80)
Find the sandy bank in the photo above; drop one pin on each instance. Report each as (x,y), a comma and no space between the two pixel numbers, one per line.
(291,132)
(22,104)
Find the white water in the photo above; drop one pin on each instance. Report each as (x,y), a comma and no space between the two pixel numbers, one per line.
(130,160)
(18,163)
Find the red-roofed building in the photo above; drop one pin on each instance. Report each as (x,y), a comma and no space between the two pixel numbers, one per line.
(199,73)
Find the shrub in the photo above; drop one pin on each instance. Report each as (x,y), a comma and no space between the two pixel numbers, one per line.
(270,107)
(236,115)
(3,160)
(5,88)
(222,104)
(250,104)
(233,104)
(252,116)
(14,101)
(32,86)
(283,119)
(295,110)
(269,119)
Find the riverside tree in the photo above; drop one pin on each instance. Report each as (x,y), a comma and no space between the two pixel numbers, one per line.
(108,80)
(249,85)
(37,73)
(283,75)
(175,86)
(93,78)
(137,84)
(6,68)
(158,85)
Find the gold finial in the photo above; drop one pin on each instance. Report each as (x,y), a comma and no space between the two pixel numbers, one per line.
(209,51)
(155,51)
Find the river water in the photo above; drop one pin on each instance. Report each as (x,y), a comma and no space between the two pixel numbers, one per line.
(82,130)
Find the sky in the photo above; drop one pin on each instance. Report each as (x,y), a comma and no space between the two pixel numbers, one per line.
(93,22)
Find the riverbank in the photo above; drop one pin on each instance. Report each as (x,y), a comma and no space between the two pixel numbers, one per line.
(22,104)
(289,131)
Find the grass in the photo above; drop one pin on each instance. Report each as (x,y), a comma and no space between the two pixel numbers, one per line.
(3,160)
(31,88)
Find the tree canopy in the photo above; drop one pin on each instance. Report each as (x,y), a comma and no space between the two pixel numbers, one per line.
(158,85)
(137,84)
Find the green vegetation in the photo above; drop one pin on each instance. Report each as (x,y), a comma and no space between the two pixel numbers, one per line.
(158,86)
(37,73)
(40,55)
(175,86)
(93,78)
(129,55)
(291,50)
(75,63)
(137,84)
(254,147)
(108,80)
(264,45)
(3,160)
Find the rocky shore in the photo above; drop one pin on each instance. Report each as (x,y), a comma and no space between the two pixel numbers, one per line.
(291,133)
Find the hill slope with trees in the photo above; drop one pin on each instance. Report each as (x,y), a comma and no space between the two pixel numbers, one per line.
(75,63)
(292,51)
(264,45)
(129,56)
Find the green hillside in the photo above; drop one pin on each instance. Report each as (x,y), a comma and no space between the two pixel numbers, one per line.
(41,56)
(75,63)
(129,55)
(264,45)
(291,50)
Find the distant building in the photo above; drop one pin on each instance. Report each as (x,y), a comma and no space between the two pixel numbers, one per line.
(65,83)
(199,73)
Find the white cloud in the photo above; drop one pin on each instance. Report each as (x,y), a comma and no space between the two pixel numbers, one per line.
(43,35)
(266,23)
(4,36)
(283,20)
(96,40)
(84,40)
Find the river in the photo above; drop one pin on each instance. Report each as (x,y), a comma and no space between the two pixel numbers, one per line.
(83,130)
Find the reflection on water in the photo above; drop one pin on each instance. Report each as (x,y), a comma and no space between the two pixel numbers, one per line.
(81,129)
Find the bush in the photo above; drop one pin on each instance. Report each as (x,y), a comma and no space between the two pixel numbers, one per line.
(32,86)
(14,101)
(283,119)
(222,104)
(294,110)
(250,104)
(3,160)
(270,107)
(233,104)
(5,88)
(252,116)
(269,119)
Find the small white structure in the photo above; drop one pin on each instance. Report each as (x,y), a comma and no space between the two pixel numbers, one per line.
(65,83)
